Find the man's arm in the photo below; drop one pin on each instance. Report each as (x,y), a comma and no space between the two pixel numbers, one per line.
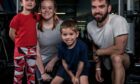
(94,49)
(12,33)
(98,72)
(117,49)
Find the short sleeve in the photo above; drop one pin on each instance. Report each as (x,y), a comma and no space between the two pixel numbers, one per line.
(60,55)
(120,26)
(84,53)
(14,23)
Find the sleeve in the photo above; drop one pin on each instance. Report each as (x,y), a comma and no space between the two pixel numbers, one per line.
(84,53)
(88,34)
(89,37)
(60,55)
(90,30)
(120,26)
(14,23)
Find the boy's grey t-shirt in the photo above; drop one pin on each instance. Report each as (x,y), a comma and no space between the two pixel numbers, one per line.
(104,37)
(48,41)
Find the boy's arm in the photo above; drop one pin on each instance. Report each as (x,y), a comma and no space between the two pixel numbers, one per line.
(80,69)
(12,33)
(67,70)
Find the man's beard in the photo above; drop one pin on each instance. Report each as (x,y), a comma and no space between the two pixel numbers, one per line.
(100,20)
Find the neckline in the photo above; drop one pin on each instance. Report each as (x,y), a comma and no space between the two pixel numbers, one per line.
(25,14)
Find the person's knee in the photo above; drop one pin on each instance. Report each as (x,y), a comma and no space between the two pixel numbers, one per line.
(116,59)
(57,80)
(54,82)
(84,80)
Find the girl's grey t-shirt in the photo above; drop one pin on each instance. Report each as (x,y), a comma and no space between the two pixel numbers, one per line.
(48,41)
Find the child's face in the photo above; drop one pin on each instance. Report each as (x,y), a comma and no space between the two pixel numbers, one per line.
(28,4)
(69,36)
(47,9)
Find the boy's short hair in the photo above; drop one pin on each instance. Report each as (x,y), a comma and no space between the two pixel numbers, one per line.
(72,24)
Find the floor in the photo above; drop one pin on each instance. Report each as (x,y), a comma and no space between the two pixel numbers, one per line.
(7,70)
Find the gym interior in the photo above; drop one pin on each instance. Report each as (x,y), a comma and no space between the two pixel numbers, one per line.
(81,11)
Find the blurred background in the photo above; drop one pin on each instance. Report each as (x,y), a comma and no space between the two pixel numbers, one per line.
(81,11)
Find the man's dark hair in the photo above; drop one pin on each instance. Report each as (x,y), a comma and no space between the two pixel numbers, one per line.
(107,1)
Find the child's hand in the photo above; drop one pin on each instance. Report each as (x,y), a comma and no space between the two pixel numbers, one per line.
(46,77)
(73,79)
(76,81)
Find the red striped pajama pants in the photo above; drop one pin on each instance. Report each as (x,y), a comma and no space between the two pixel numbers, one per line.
(24,60)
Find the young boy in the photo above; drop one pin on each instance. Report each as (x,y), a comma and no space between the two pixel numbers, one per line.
(73,53)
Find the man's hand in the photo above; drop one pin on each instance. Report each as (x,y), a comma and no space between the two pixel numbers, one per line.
(96,58)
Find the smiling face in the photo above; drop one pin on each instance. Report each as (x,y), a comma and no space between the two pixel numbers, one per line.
(100,10)
(47,9)
(69,36)
(28,5)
